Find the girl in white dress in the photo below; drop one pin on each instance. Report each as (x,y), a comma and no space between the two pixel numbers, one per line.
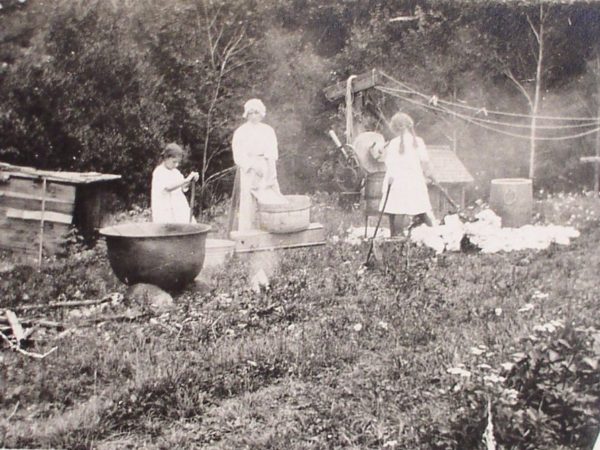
(255,151)
(168,201)
(407,164)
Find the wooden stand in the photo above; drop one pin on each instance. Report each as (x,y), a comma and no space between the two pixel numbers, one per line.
(258,240)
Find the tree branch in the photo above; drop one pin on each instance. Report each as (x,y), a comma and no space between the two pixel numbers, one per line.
(512,78)
(238,65)
(17,348)
(535,32)
(220,174)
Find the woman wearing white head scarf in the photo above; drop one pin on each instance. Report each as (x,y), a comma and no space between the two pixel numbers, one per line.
(255,151)
(406,161)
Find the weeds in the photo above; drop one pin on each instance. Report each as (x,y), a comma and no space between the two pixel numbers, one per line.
(329,356)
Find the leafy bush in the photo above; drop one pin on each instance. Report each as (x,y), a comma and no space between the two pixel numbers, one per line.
(546,396)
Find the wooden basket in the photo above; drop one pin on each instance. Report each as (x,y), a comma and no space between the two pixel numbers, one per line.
(285,218)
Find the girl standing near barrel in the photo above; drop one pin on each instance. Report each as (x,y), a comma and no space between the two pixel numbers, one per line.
(407,165)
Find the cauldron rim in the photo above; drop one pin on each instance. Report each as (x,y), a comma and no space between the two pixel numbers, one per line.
(145,230)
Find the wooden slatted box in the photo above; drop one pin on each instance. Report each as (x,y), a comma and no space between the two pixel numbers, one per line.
(33,200)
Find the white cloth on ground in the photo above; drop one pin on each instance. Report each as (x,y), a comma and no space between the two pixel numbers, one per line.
(255,151)
(168,206)
(408,194)
(487,234)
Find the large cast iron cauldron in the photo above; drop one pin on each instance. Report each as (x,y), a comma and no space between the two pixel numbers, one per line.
(166,255)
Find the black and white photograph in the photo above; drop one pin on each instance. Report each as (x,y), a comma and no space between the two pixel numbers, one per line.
(300,224)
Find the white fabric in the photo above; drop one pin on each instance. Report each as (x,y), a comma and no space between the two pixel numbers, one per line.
(408,194)
(168,207)
(487,234)
(255,151)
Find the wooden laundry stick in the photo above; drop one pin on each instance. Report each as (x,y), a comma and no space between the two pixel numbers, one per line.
(387,194)
(41,239)
(192,201)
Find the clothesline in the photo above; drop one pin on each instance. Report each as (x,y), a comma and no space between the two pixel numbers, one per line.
(410,90)
(482,122)
(496,122)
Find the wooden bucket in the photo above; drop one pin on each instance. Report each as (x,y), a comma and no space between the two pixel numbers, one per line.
(285,218)
(373,194)
(512,200)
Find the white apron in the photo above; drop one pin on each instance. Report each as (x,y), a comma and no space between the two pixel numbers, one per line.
(255,151)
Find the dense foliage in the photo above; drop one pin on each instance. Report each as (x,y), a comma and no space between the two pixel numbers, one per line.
(96,85)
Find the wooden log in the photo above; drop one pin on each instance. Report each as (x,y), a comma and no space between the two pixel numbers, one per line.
(363,81)
(35,322)
(69,304)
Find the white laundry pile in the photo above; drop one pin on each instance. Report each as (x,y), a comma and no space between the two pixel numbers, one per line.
(487,234)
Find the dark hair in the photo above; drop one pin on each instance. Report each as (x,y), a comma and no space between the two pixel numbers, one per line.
(171,150)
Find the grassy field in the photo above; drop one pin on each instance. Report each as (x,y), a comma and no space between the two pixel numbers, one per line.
(330,356)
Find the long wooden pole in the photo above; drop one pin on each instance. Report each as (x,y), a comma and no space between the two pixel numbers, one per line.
(597,164)
(41,239)
(192,201)
(387,194)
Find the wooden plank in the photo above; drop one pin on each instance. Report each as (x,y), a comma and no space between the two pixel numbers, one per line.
(590,159)
(363,81)
(19,200)
(15,216)
(48,216)
(56,175)
(54,191)
(17,329)
(258,240)
(23,236)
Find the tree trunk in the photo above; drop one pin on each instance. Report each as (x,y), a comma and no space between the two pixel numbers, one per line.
(536,96)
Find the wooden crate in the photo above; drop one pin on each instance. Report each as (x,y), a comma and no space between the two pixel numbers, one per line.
(41,206)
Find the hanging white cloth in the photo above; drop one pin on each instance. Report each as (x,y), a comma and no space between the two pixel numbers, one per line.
(255,151)
(168,206)
(408,194)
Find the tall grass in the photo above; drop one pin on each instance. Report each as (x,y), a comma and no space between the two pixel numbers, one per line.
(330,356)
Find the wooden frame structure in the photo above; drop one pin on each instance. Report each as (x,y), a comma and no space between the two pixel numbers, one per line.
(449,171)
(38,207)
